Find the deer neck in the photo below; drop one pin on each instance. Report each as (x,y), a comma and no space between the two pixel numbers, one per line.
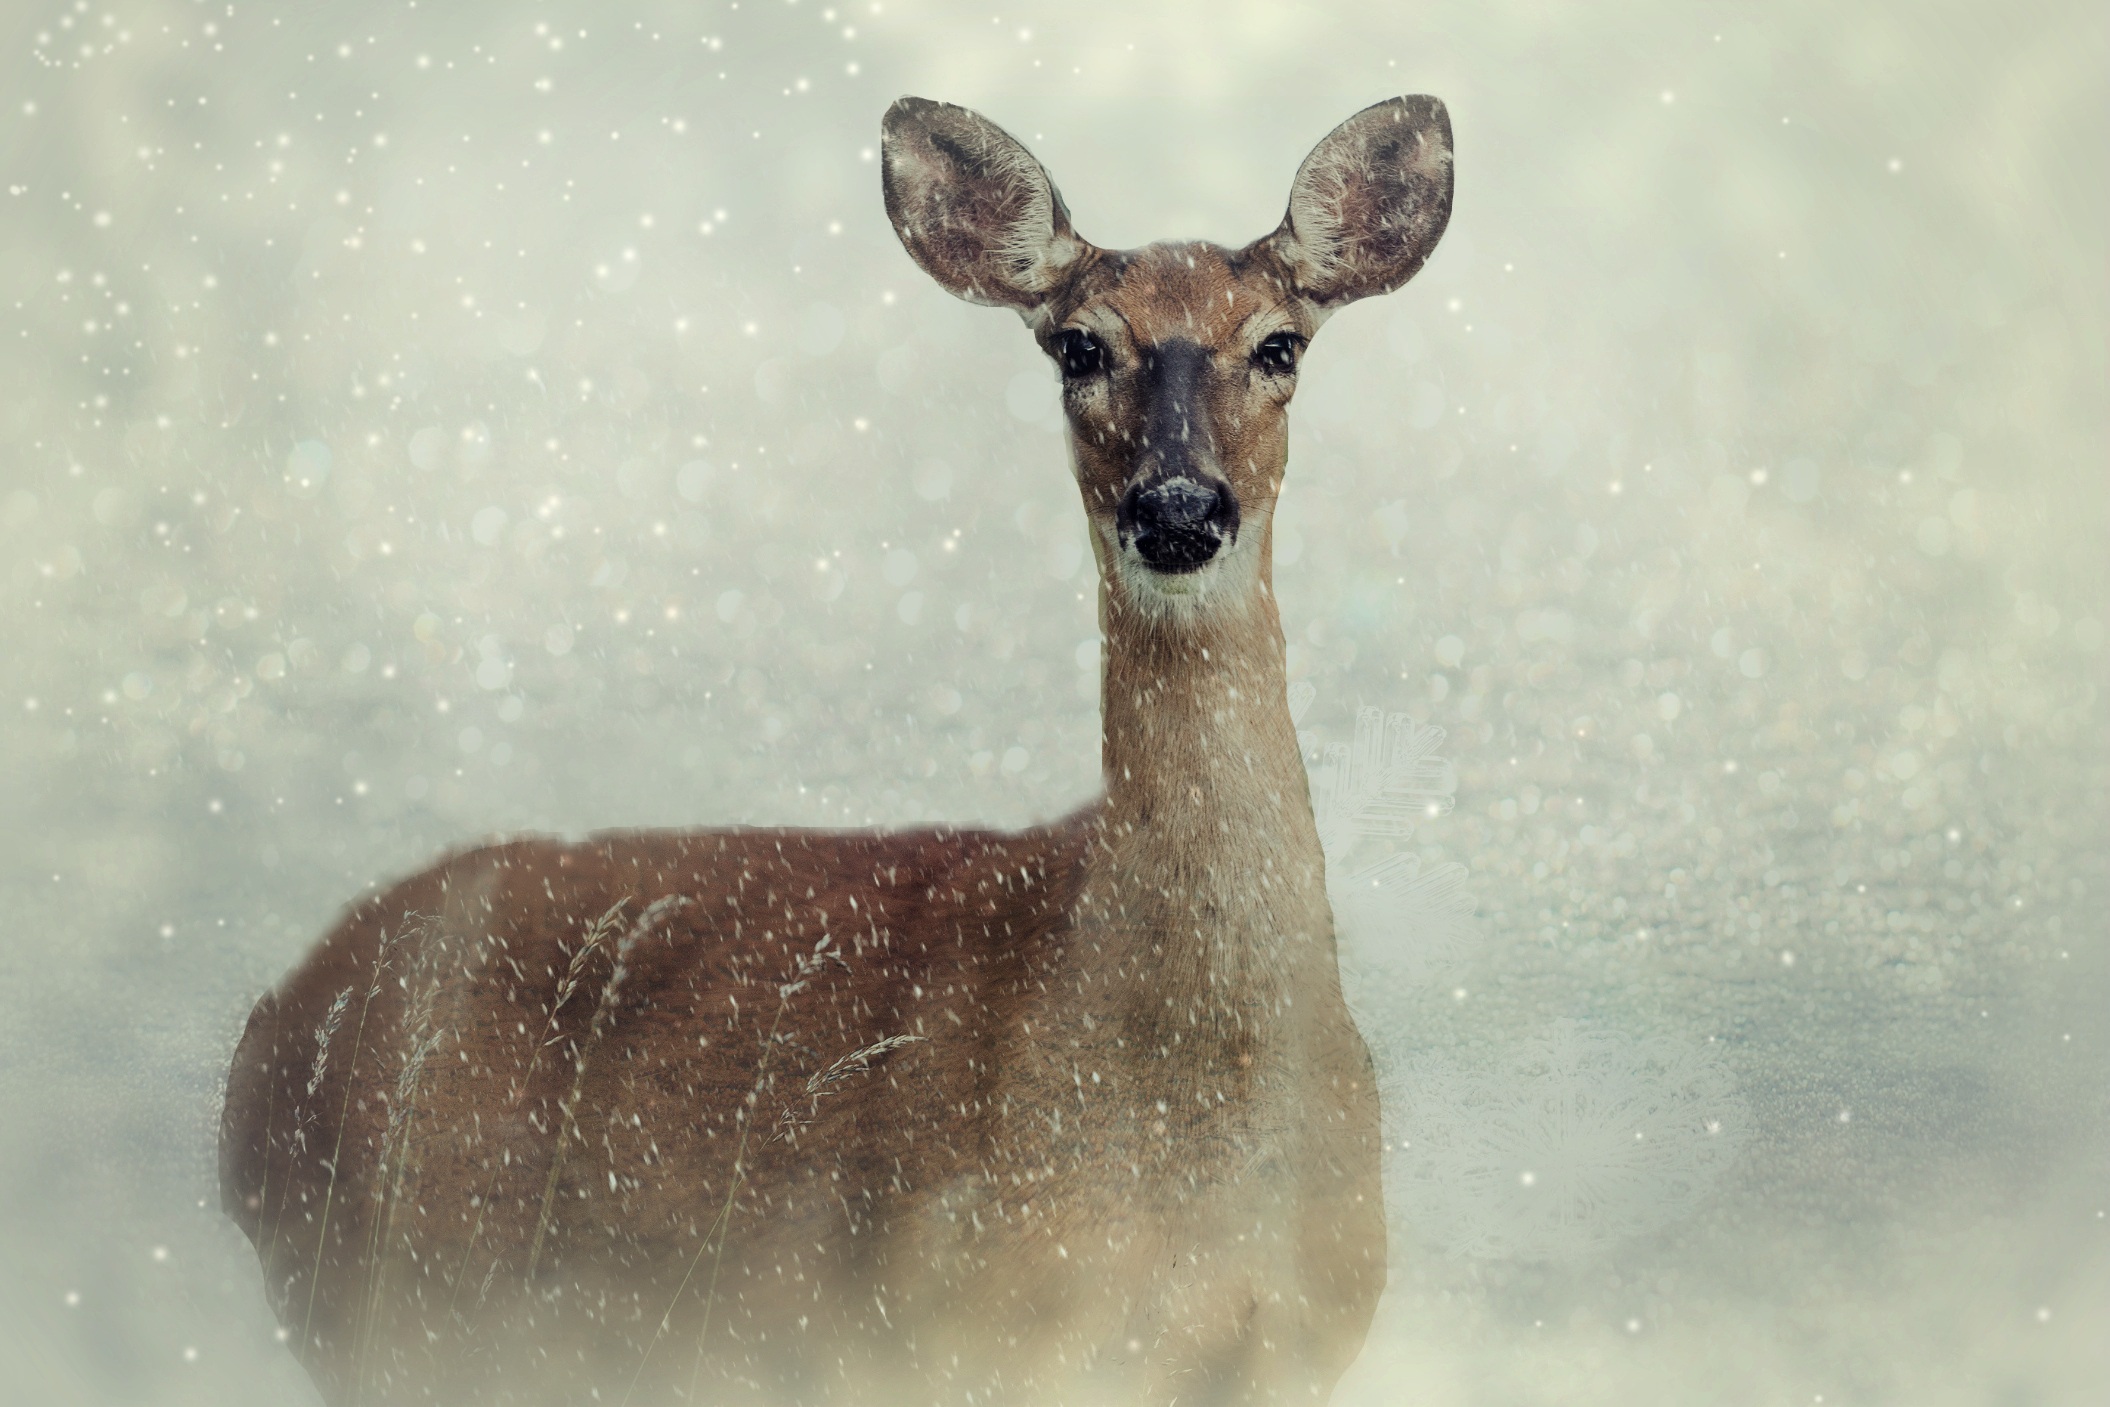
(1209,874)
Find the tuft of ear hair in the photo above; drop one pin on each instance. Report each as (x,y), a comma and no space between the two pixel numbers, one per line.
(972,206)
(1369,203)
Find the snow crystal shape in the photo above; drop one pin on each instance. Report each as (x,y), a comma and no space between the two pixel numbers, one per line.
(1575,1140)
(1398,926)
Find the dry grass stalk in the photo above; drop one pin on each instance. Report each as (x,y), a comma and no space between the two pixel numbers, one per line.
(804,968)
(263,1186)
(603,1015)
(394,1166)
(824,1082)
(574,972)
(383,951)
(325,1032)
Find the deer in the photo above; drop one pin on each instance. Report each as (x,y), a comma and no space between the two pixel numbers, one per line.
(1071,1114)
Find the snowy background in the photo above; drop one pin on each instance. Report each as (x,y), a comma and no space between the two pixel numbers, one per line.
(419,421)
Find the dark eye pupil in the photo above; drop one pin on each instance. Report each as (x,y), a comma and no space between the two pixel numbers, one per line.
(1079,352)
(1278,353)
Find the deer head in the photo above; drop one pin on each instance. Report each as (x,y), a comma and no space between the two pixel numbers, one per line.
(1178,360)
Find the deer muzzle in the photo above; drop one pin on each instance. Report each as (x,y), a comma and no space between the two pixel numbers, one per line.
(1178,522)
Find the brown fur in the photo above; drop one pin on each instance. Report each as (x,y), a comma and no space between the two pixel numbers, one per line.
(1070,1115)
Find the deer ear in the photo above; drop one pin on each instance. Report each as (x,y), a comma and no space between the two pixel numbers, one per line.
(1369,203)
(972,206)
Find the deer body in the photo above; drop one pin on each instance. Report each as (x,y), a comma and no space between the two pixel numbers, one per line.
(1075,1114)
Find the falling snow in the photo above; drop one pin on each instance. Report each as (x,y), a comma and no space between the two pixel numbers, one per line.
(432,422)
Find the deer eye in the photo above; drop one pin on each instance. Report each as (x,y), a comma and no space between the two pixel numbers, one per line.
(1279,352)
(1079,353)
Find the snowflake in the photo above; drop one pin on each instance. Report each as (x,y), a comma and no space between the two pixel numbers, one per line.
(1579,1138)
(1398,926)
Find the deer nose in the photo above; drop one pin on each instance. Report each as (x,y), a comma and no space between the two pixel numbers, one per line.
(1178,524)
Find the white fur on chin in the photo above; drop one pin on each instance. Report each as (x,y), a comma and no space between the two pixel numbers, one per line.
(1228,581)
